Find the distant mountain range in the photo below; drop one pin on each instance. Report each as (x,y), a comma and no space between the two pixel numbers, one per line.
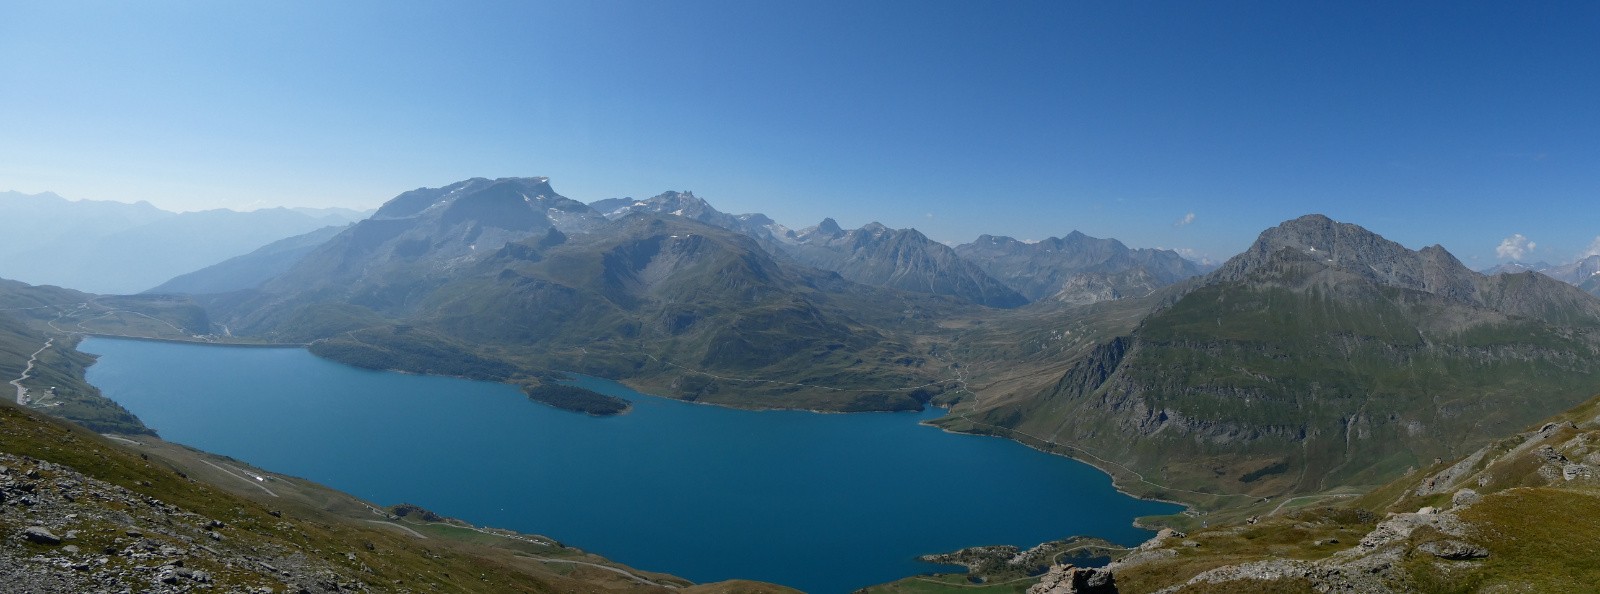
(112,247)
(1077,268)
(1583,273)
(999,272)
(874,255)
(498,279)
(1324,355)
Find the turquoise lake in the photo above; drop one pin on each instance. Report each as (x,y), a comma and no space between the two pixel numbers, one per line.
(826,503)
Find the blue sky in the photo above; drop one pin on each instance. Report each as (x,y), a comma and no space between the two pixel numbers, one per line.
(1456,123)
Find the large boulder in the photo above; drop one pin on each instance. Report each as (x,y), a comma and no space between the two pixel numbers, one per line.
(38,534)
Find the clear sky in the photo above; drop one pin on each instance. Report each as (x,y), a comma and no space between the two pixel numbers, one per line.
(1174,124)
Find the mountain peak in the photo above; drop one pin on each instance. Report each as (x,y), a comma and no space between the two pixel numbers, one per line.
(420,200)
(671,202)
(1315,250)
(1328,239)
(828,226)
(676,197)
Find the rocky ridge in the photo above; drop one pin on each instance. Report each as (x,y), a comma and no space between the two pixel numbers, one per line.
(1102,268)
(902,259)
(873,255)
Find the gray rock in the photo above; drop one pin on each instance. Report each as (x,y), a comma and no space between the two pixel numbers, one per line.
(37,534)
(1465,497)
(1453,549)
(1576,471)
(1550,455)
(1160,539)
(1448,477)
(1066,579)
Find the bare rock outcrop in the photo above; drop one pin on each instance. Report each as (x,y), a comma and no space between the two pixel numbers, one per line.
(1068,579)
(87,535)
(1369,568)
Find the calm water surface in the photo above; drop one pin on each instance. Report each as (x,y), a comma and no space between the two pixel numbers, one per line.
(822,502)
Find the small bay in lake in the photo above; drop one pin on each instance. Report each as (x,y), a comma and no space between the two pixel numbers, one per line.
(822,502)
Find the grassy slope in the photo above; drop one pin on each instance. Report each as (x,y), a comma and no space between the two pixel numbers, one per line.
(1541,533)
(1272,391)
(56,380)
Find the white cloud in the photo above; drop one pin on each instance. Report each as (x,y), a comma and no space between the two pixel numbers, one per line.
(1188,218)
(1192,254)
(1594,248)
(1515,247)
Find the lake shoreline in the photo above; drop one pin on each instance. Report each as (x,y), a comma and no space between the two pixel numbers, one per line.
(247,345)
(1187,507)
(709,476)
(632,386)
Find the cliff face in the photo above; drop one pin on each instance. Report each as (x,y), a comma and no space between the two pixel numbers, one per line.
(1323,356)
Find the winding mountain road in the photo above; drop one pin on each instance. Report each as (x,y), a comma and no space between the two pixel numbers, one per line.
(27,372)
